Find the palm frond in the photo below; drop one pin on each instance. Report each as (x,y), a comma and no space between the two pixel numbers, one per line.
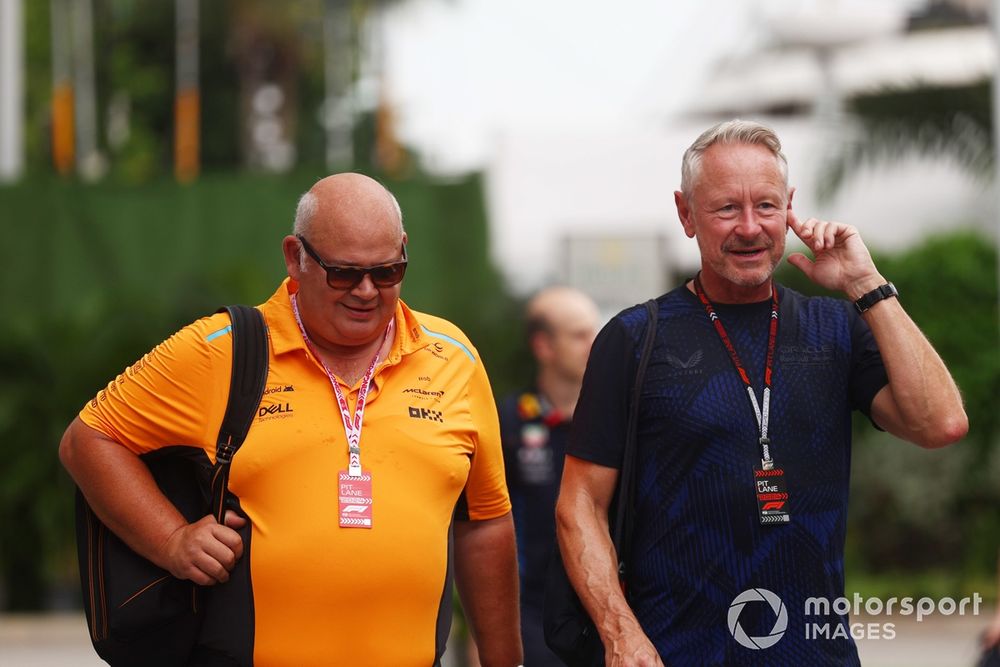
(891,124)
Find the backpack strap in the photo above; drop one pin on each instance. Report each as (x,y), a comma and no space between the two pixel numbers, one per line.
(624,518)
(246,387)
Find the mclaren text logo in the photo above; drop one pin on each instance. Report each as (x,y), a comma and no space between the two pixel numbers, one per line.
(757,596)
(424,394)
(424,413)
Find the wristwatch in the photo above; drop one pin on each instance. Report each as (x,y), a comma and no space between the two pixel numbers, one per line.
(876,295)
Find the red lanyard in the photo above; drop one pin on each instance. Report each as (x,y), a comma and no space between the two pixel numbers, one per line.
(352,425)
(761,412)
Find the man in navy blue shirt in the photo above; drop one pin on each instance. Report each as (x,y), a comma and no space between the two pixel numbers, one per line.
(561,323)
(743,453)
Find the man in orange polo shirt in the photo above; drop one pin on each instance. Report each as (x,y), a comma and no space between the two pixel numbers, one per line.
(360,387)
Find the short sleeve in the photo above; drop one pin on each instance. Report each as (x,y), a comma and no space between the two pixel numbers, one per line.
(601,415)
(485,495)
(868,374)
(174,395)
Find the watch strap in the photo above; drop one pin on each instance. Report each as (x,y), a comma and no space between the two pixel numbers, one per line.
(878,294)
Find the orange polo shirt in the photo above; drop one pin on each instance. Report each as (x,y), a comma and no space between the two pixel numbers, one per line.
(325,595)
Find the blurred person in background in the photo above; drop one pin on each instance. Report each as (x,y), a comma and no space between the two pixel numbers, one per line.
(991,636)
(744,429)
(561,323)
(349,362)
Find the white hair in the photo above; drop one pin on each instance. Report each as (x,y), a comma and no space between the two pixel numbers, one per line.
(304,212)
(734,131)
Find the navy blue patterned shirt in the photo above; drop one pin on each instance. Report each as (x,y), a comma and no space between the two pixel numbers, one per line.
(698,541)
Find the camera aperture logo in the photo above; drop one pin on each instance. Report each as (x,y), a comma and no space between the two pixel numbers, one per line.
(757,595)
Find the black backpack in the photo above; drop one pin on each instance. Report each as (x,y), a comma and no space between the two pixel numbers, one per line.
(137,613)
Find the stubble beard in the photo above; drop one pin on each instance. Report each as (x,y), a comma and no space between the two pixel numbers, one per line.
(742,277)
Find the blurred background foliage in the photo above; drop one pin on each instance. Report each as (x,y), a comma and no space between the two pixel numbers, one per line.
(97,274)
(926,520)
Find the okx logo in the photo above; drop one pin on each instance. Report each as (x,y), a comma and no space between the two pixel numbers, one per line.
(424,413)
(757,595)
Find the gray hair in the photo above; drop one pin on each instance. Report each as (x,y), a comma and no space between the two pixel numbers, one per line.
(306,209)
(734,131)
(304,212)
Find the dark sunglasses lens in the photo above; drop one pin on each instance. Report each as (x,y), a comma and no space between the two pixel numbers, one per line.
(387,276)
(339,278)
(382,276)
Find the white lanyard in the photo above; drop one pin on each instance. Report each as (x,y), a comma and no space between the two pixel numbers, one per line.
(352,425)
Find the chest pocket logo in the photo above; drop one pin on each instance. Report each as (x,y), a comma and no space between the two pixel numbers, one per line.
(691,362)
(425,413)
(280,410)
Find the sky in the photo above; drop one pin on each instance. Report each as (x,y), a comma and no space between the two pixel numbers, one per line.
(458,72)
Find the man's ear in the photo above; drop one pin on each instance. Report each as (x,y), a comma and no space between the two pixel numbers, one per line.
(788,208)
(290,248)
(541,347)
(684,213)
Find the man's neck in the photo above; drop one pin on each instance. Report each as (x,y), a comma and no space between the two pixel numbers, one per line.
(559,391)
(348,368)
(727,292)
(349,363)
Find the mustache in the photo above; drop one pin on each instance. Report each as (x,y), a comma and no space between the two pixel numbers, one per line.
(748,244)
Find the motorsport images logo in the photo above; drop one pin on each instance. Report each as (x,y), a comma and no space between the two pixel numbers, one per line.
(757,595)
(827,619)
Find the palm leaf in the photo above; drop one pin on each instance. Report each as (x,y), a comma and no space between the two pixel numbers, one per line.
(929,121)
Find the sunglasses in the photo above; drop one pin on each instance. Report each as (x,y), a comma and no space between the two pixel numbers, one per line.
(348,277)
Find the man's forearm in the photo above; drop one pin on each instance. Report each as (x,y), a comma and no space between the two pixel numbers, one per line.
(121,491)
(486,574)
(591,564)
(927,400)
